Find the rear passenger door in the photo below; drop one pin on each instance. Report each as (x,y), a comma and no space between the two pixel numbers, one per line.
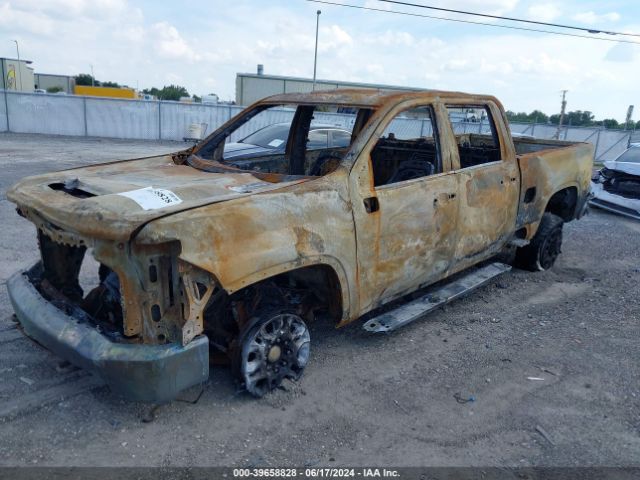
(405,206)
(488,181)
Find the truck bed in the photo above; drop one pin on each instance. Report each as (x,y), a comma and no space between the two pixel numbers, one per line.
(549,167)
(529,145)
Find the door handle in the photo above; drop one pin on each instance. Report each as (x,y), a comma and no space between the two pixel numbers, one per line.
(371,204)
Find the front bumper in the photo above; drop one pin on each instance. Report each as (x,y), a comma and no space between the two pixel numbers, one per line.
(628,207)
(147,373)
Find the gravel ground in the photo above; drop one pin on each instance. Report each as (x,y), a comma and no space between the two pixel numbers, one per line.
(366,399)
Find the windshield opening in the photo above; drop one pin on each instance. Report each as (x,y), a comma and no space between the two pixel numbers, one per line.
(308,140)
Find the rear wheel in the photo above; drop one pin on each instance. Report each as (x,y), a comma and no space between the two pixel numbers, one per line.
(544,248)
(274,347)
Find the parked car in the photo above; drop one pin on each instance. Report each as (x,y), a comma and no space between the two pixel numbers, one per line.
(272,139)
(616,187)
(522,135)
(201,258)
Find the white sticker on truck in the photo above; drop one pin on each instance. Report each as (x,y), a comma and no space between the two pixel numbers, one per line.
(152,198)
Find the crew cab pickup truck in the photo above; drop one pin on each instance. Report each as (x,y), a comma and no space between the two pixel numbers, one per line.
(201,256)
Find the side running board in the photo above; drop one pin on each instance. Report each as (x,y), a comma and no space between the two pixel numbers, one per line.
(418,308)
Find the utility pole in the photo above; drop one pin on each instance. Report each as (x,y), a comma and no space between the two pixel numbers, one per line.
(19,64)
(92,77)
(628,119)
(315,56)
(562,110)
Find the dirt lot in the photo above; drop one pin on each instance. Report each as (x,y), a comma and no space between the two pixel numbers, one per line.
(365,399)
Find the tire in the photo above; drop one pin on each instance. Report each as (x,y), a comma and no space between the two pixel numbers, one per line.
(544,248)
(273,347)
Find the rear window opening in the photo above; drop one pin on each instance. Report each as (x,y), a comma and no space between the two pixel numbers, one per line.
(476,134)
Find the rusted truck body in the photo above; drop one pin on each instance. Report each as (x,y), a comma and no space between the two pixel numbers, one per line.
(203,257)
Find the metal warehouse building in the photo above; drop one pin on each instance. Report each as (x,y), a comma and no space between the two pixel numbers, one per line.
(45,81)
(251,87)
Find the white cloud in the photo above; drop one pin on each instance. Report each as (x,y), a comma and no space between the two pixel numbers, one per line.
(339,36)
(74,8)
(204,53)
(168,43)
(592,18)
(391,37)
(544,12)
(35,22)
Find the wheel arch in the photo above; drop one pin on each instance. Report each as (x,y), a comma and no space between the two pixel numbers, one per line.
(564,203)
(324,272)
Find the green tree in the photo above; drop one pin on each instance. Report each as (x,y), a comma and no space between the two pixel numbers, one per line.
(152,91)
(538,117)
(610,123)
(172,92)
(516,117)
(86,79)
(579,118)
(534,117)
(55,89)
(109,84)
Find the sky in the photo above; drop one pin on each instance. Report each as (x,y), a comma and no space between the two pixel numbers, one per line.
(203,44)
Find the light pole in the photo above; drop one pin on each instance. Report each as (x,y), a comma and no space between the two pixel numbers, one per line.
(19,65)
(92,78)
(315,56)
(562,110)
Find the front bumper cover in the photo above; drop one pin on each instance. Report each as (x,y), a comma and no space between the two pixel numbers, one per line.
(628,207)
(147,373)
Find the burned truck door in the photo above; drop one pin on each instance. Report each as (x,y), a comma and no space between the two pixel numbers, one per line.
(405,204)
(489,182)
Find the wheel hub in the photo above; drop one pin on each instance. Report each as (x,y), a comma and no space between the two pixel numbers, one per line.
(274,349)
(274,354)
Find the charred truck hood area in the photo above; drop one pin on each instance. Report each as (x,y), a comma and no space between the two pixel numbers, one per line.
(108,201)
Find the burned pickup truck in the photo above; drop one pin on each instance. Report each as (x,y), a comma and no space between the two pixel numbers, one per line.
(202,256)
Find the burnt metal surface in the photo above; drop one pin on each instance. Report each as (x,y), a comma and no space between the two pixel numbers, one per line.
(206,262)
(149,373)
(418,308)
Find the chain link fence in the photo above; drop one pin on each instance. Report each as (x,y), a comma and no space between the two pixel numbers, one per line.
(160,120)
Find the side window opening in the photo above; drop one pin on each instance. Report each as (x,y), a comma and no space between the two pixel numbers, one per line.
(407,149)
(475,133)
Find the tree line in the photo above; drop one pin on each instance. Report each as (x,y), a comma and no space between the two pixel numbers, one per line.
(577,118)
(168,92)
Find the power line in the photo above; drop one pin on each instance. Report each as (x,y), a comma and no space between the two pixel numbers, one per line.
(512,19)
(511,27)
